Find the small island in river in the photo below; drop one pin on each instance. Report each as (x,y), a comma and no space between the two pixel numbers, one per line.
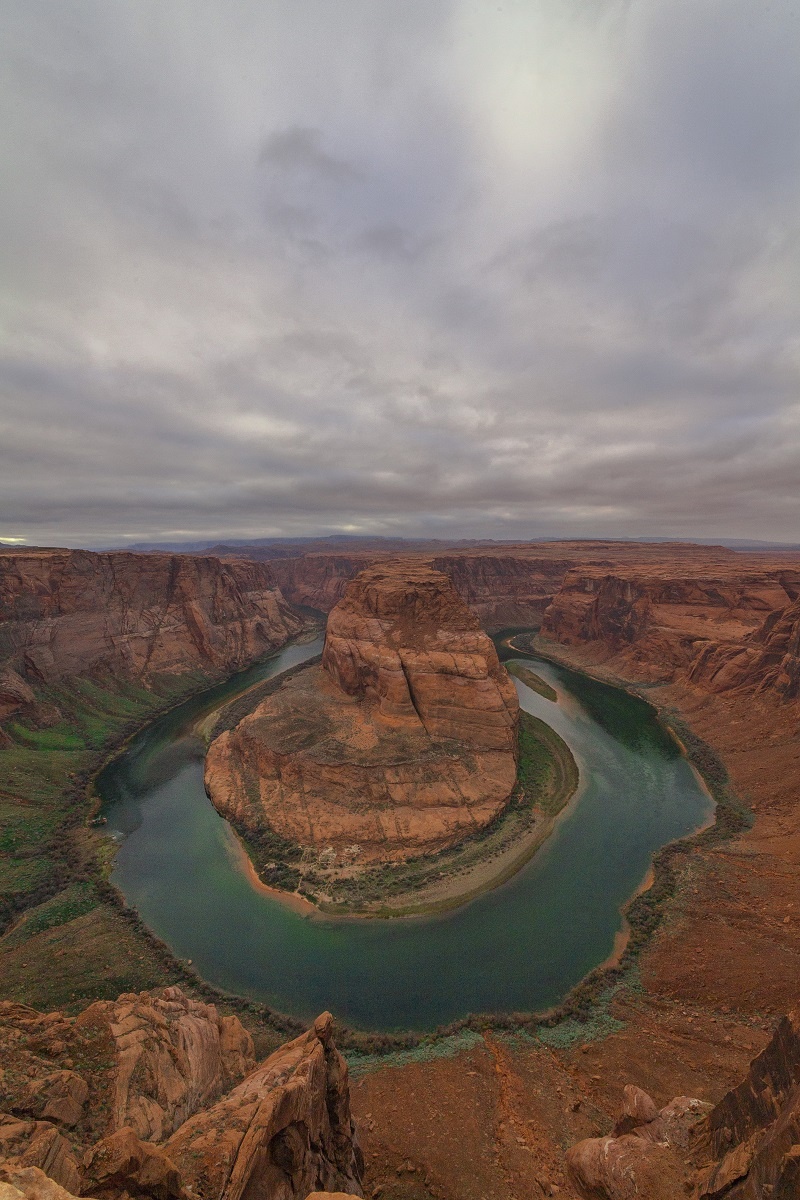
(393,768)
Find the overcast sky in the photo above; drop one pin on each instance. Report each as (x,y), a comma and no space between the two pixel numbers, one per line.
(428,267)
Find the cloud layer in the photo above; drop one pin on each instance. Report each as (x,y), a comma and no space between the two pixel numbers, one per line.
(444,267)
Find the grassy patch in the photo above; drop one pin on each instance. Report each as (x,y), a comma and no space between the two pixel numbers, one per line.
(74,901)
(547,774)
(46,858)
(430,1048)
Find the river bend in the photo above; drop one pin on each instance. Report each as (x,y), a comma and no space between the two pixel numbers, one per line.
(520,947)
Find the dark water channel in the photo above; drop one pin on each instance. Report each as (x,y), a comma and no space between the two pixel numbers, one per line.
(520,947)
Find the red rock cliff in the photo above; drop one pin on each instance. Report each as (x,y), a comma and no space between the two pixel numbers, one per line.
(71,612)
(133,1097)
(406,640)
(723,627)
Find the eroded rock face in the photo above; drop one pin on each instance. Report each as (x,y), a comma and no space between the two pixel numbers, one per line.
(646,1155)
(72,612)
(767,661)
(402,741)
(722,630)
(754,1132)
(406,641)
(744,1148)
(171,1056)
(284,1132)
(505,589)
(145,1117)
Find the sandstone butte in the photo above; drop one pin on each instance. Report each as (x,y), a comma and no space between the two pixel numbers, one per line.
(403,740)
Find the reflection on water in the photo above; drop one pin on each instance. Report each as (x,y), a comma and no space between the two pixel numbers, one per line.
(520,947)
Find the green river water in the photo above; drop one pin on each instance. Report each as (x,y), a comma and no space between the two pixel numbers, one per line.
(518,948)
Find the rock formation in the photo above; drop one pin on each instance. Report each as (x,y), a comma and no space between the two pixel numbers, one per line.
(285,1131)
(744,1148)
(767,661)
(404,740)
(721,629)
(71,612)
(172,1056)
(154,1065)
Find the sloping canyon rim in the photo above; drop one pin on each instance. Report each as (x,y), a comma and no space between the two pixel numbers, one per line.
(577,1002)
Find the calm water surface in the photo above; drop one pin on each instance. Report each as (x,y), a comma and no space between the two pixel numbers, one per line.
(520,947)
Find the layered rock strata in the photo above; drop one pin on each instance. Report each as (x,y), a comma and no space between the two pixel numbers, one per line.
(403,740)
(720,630)
(145,1117)
(285,1131)
(66,613)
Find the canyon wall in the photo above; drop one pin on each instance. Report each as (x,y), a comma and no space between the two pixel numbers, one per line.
(71,612)
(719,629)
(317,580)
(504,586)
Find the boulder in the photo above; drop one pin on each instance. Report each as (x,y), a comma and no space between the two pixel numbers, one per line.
(59,1096)
(30,1183)
(123,1162)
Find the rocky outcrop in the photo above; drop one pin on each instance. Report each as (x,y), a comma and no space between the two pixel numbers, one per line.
(403,741)
(29,1183)
(70,612)
(767,661)
(123,1163)
(145,1115)
(153,1061)
(171,1056)
(744,1148)
(286,1131)
(753,1134)
(404,640)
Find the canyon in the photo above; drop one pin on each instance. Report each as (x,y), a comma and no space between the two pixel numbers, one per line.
(403,740)
(155,1094)
(707,635)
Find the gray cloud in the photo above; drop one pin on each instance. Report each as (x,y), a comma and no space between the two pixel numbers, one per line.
(437,268)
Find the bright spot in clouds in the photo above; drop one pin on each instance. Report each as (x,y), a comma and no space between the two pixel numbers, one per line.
(435,268)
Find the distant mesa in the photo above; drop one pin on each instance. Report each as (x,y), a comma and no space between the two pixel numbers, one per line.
(403,741)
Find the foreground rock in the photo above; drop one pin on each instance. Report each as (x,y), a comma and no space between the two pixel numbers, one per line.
(147,1062)
(71,612)
(145,1117)
(403,741)
(171,1056)
(286,1131)
(744,1148)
